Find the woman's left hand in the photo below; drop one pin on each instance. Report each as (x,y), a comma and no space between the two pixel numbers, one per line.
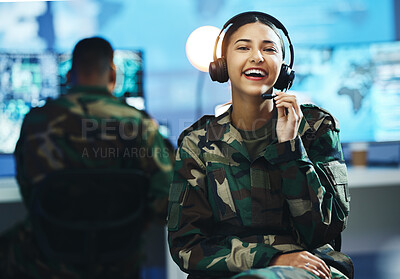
(289,120)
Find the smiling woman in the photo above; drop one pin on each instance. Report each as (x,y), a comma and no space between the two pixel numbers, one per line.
(252,60)
(218,68)
(252,195)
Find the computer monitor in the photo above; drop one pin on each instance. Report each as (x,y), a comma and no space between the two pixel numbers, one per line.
(129,66)
(28,79)
(358,83)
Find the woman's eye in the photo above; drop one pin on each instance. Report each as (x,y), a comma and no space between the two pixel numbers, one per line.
(243,48)
(270,49)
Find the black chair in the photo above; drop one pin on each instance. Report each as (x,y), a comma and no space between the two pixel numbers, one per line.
(89,216)
(337,243)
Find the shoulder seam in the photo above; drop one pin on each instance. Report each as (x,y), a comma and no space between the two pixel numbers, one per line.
(335,122)
(195,157)
(193,127)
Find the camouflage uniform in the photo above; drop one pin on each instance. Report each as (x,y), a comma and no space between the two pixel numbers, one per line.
(86,128)
(229,214)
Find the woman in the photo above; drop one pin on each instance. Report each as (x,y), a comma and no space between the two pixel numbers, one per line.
(257,189)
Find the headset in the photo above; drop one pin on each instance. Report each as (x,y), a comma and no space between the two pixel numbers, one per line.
(218,69)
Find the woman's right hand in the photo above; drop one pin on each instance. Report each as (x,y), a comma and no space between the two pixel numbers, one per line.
(304,260)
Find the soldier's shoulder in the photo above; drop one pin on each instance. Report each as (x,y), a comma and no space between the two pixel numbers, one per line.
(314,110)
(197,126)
(317,116)
(143,113)
(42,112)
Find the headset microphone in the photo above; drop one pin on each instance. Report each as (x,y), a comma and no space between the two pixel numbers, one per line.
(218,69)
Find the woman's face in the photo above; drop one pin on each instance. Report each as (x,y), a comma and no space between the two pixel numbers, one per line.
(254,59)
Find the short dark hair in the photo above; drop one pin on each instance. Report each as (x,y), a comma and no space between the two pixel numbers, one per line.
(92,55)
(246,19)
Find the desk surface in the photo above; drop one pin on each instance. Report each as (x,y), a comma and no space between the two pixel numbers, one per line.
(9,191)
(359,177)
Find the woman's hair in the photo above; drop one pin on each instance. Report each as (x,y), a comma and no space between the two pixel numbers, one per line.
(246,19)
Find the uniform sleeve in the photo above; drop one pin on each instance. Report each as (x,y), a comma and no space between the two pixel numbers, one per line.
(314,183)
(193,246)
(159,159)
(33,155)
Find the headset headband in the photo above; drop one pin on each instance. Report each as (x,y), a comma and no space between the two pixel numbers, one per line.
(270,18)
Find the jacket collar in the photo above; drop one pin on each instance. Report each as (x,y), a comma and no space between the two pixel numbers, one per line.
(220,128)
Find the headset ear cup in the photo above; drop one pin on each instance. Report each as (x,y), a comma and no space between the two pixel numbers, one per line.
(218,70)
(285,79)
(212,70)
(223,70)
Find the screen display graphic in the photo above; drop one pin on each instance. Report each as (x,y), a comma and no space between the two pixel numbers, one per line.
(358,84)
(28,79)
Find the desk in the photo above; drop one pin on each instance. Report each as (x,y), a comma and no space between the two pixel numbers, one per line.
(9,191)
(374,209)
(363,177)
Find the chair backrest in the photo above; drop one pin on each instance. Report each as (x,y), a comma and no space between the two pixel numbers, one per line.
(337,243)
(89,216)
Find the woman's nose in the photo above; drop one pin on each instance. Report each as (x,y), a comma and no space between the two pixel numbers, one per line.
(257,56)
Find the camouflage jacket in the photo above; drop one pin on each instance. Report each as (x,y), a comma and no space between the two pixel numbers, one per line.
(89,128)
(228,213)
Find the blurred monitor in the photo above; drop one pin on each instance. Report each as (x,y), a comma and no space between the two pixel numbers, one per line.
(129,66)
(358,83)
(28,79)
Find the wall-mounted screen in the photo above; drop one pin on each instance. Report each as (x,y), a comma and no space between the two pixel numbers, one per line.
(358,84)
(27,80)
(129,66)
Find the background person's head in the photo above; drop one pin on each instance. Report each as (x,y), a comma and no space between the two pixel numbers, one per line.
(92,64)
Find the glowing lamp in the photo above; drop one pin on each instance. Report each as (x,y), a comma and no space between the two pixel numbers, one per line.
(200,47)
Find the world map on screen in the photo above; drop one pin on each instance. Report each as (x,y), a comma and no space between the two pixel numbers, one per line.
(358,84)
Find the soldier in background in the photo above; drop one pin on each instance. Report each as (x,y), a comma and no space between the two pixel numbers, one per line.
(85,128)
(261,190)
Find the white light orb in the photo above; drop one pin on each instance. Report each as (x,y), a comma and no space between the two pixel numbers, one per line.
(200,46)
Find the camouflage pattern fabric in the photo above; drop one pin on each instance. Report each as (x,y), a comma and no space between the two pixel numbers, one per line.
(229,214)
(86,128)
(341,263)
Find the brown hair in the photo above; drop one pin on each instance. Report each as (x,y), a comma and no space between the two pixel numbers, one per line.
(247,18)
